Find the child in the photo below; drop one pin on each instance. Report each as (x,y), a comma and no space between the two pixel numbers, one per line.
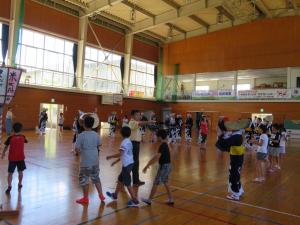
(16,155)
(188,128)
(274,148)
(112,121)
(262,154)
(283,140)
(124,179)
(61,123)
(88,144)
(203,132)
(163,156)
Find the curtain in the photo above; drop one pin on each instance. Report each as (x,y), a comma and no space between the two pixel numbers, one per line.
(122,68)
(74,57)
(5,33)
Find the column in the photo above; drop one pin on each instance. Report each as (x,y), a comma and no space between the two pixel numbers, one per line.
(83,25)
(127,62)
(235,83)
(15,7)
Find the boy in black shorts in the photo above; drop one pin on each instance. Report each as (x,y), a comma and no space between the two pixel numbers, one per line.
(164,159)
(16,155)
(124,179)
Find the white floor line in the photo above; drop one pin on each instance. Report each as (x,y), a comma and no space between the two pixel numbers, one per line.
(237,202)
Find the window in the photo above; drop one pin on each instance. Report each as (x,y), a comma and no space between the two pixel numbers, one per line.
(47,59)
(102,71)
(242,87)
(202,88)
(141,79)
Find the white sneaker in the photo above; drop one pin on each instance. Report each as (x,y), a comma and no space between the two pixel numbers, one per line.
(233,197)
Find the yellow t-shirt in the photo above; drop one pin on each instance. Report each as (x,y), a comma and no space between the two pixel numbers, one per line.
(135,131)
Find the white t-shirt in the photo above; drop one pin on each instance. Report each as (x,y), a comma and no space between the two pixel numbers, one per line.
(264,147)
(282,139)
(127,156)
(125,122)
(9,115)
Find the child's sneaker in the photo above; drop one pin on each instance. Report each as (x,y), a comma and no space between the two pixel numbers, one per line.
(82,201)
(233,197)
(277,167)
(113,196)
(8,190)
(170,202)
(147,201)
(133,203)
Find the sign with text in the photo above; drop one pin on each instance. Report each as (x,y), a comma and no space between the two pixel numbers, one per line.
(13,79)
(216,93)
(3,83)
(265,94)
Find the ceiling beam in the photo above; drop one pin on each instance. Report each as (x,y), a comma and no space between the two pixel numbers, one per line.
(199,20)
(77,3)
(225,12)
(172,26)
(263,8)
(172,15)
(156,36)
(172,4)
(99,5)
(138,8)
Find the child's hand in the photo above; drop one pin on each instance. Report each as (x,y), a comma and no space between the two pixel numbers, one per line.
(145,169)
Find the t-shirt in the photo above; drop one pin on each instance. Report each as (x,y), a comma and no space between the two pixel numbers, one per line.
(87,143)
(135,131)
(61,120)
(274,137)
(204,128)
(165,154)
(283,139)
(9,115)
(127,156)
(264,147)
(16,147)
(125,122)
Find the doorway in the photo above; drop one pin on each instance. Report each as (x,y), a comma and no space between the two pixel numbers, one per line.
(53,111)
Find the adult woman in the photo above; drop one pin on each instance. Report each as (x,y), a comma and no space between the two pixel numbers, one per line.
(8,121)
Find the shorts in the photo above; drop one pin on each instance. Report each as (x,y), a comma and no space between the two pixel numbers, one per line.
(125,175)
(261,156)
(61,125)
(19,164)
(274,151)
(203,138)
(163,173)
(282,149)
(89,172)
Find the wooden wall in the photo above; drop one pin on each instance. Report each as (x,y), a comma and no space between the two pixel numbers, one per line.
(5,9)
(267,43)
(26,105)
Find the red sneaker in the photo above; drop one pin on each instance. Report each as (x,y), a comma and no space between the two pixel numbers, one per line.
(82,201)
(102,198)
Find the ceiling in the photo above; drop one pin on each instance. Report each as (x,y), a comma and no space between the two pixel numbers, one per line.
(173,20)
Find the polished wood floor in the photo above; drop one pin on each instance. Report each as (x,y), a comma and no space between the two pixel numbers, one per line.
(199,185)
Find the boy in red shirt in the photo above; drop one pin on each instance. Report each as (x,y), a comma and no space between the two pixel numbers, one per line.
(203,132)
(16,155)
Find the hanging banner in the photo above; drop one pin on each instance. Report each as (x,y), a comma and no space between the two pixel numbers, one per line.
(265,94)
(218,93)
(3,82)
(13,79)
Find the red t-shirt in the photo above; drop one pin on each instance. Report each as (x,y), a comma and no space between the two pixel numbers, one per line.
(16,147)
(204,128)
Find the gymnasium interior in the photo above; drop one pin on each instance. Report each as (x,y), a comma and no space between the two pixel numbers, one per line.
(212,59)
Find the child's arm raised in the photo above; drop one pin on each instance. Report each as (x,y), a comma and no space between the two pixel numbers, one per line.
(152,161)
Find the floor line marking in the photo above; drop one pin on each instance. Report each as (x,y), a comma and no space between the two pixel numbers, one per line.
(236,202)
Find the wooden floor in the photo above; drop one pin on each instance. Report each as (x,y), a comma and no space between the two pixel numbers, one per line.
(199,184)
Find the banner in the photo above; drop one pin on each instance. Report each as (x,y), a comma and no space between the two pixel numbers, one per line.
(296,92)
(265,94)
(218,93)
(3,83)
(13,79)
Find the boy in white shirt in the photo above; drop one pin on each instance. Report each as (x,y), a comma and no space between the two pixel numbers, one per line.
(124,179)
(262,154)
(283,140)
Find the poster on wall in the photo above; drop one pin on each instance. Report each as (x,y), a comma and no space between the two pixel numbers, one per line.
(13,79)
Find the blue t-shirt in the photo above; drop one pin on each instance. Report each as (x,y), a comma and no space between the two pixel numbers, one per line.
(87,143)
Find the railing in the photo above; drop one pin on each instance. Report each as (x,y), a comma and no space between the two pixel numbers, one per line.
(258,94)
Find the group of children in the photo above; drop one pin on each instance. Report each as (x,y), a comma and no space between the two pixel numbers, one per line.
(271,143)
